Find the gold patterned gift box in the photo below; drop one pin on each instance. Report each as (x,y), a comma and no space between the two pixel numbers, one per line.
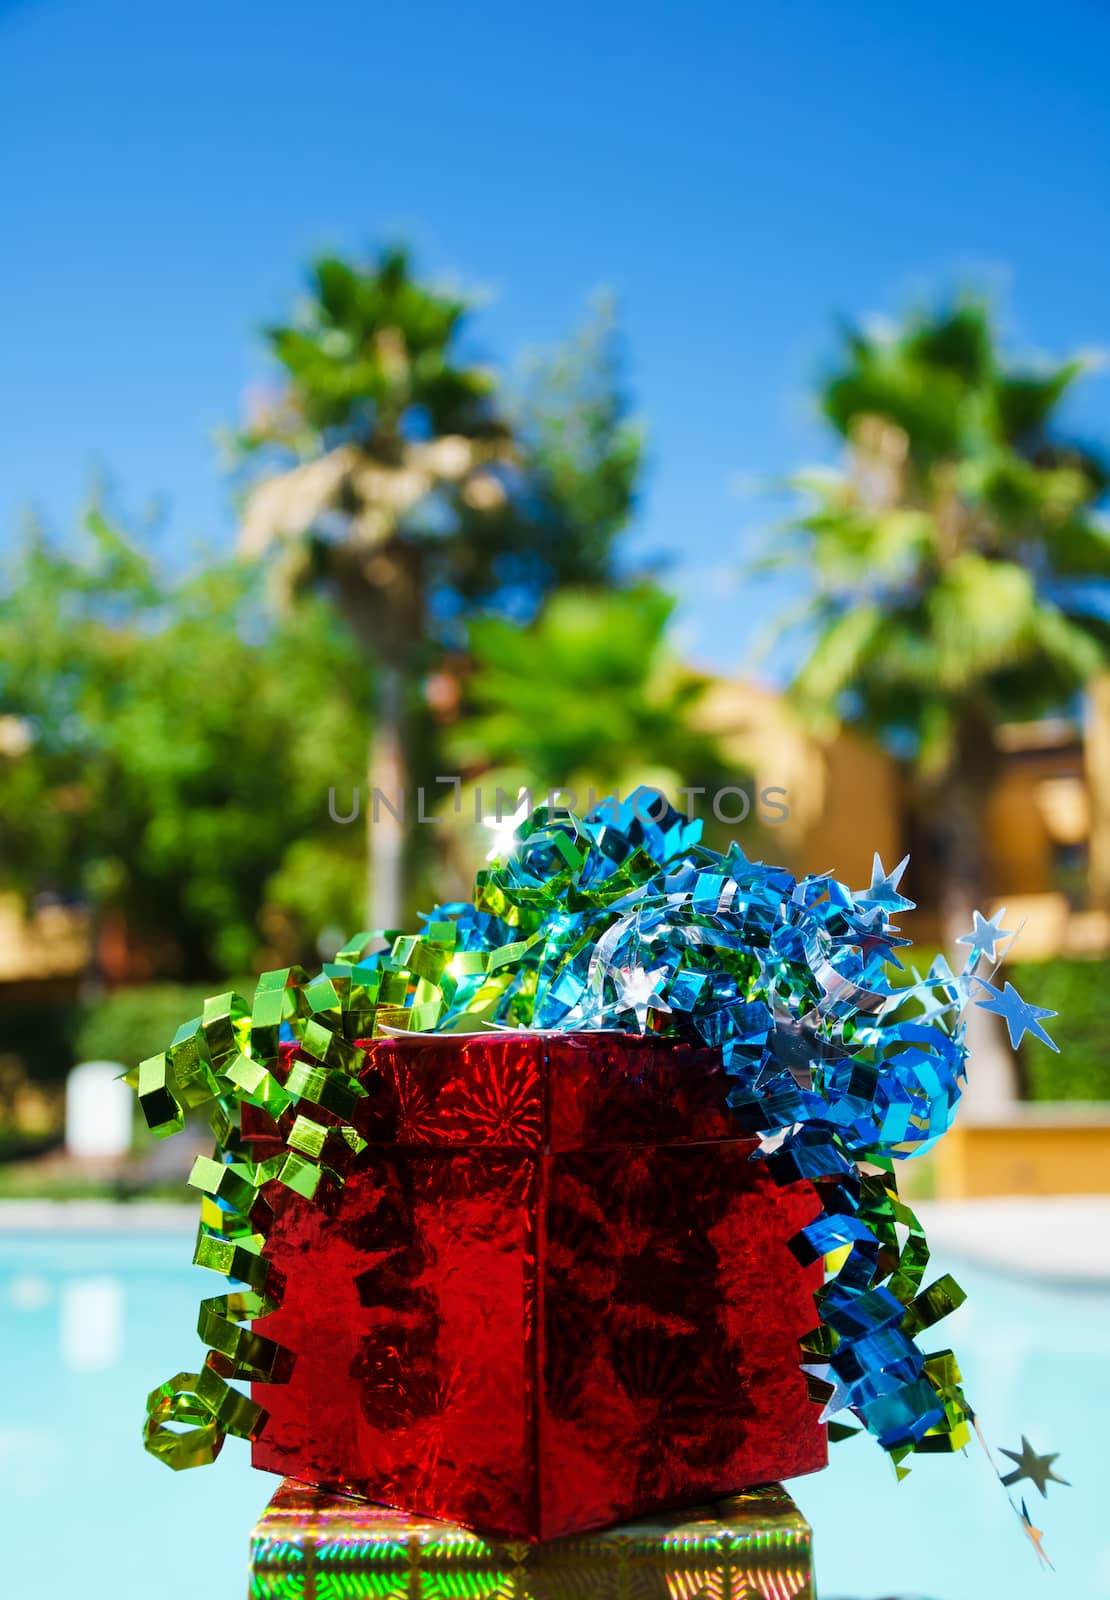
(311,1545)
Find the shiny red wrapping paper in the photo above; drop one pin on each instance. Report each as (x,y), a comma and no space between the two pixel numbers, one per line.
(555,1292)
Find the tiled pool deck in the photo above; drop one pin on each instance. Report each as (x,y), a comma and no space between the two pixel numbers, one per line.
(1054,1238)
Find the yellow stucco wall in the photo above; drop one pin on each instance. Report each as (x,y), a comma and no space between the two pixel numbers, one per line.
(1032,1155)
(846,796)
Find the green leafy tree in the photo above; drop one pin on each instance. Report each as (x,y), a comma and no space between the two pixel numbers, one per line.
(959,561)
(589,697)
(584,456)
(392,476)
(177,746)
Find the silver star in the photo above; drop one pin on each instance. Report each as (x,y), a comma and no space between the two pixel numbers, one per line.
(884,887)
(984,935)
(637,990)
(841,1391)
(1038,1469)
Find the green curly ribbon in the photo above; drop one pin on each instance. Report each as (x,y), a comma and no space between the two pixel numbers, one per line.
(231,1057)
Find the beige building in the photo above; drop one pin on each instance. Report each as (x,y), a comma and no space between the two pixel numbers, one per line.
(40,948)
(1048,814)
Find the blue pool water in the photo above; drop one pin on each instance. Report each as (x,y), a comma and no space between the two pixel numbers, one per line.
(90,1323)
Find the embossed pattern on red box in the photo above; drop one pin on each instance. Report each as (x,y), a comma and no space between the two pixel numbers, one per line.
(555,1293)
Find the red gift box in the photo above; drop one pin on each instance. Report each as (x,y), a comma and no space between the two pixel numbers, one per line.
(555,1292)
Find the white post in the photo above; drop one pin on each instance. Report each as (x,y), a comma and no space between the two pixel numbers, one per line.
(98,1111)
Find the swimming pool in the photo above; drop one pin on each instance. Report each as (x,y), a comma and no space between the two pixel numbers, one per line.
(92,1321)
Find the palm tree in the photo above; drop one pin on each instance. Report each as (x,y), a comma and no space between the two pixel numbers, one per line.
(392,476)
(589,698)
(960,564)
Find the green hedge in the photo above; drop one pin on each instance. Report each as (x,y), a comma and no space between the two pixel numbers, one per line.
(130,1024)
(1080,992)
(41,1037)
(126,1025)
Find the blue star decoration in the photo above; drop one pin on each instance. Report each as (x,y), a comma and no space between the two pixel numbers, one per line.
(1019,1016)
(984,935)
(1037,1469)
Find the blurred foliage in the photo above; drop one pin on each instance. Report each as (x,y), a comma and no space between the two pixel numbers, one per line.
(169,746)
(1077,990)
(381,463)
(389,471)
(139,1020)
(38,1042)
(24,1178)
(588,696)
(405,474)
(16,1146)
(583,454)
(960,564)
(179,746)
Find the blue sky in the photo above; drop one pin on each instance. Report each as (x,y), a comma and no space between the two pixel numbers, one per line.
(738,175)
